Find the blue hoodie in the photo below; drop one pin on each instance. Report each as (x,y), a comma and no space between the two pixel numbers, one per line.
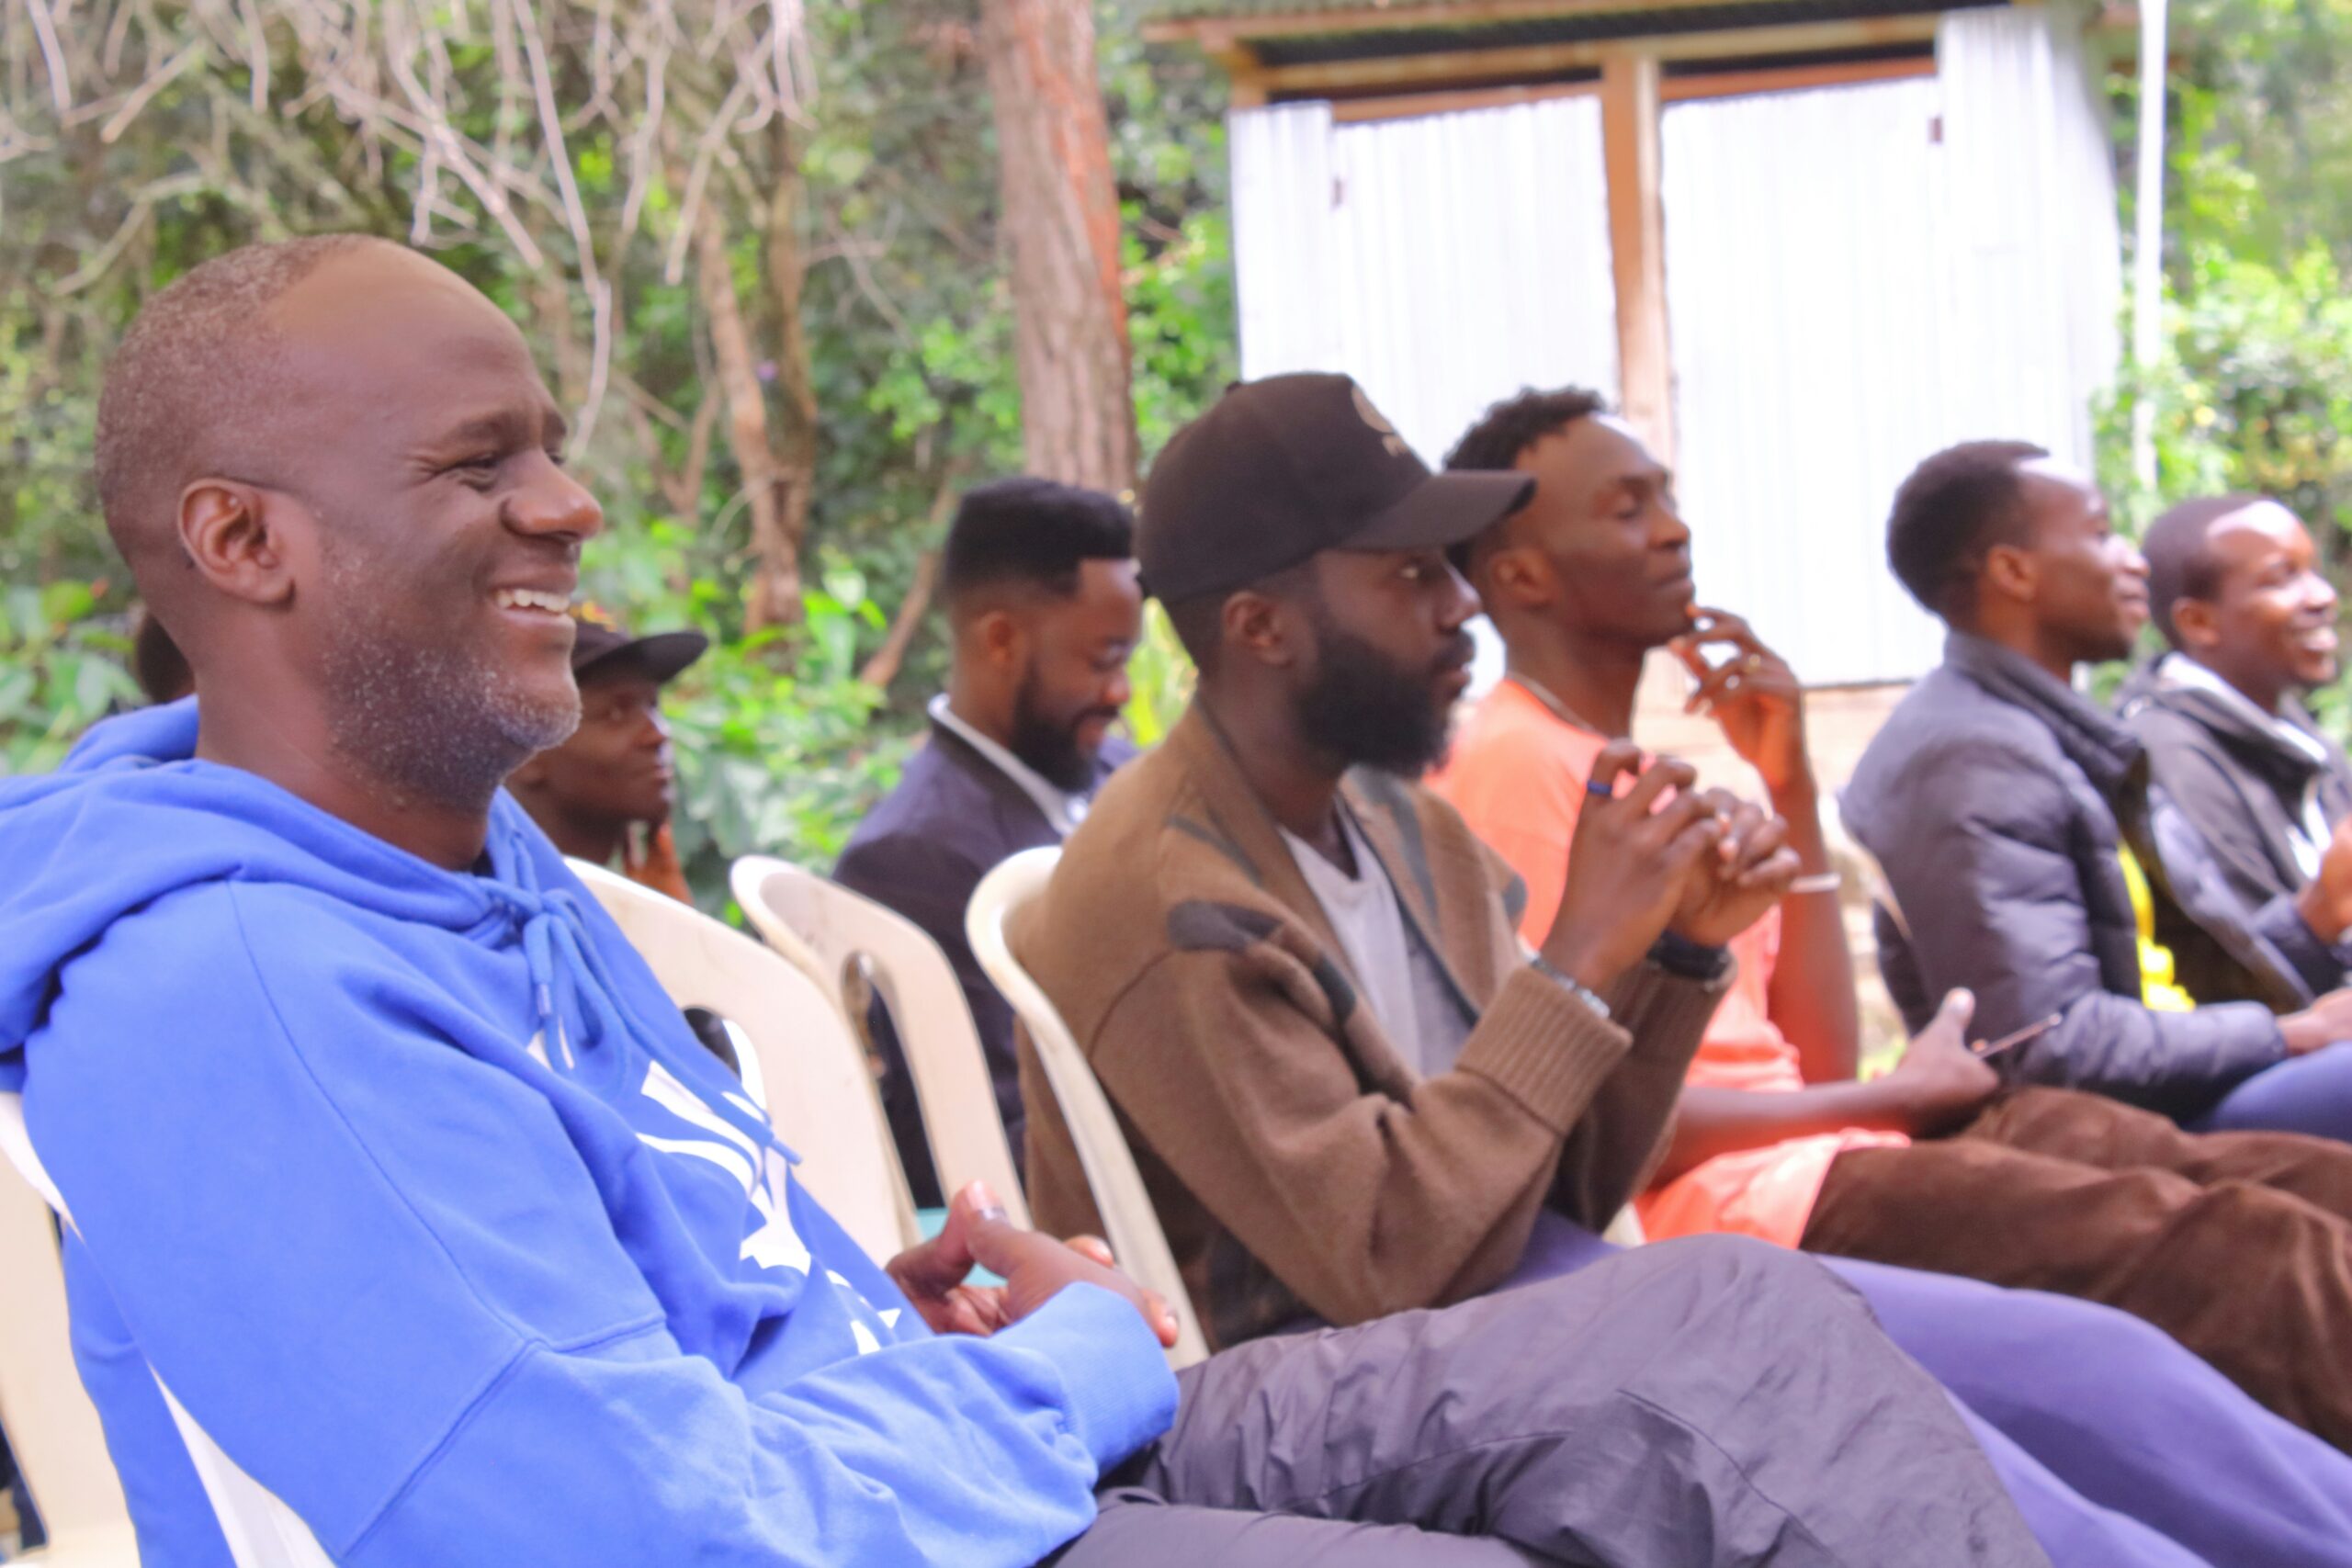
(414,1190)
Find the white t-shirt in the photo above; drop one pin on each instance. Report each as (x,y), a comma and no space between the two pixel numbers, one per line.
(1396,976)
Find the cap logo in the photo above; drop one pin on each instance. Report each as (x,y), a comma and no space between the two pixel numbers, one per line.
(595,614)
(1394,442)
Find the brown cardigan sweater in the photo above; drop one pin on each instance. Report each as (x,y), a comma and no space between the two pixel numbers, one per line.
(1298,1163)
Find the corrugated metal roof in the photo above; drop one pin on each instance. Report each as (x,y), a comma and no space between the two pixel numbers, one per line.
(1543,21)
(1587,27)
(1173,10)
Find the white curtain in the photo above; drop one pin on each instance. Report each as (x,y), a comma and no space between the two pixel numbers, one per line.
(1444,261)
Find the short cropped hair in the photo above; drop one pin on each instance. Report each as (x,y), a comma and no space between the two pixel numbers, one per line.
(1509,428)
(2181,563)
(191,383)
(1952,509)
(1034,533)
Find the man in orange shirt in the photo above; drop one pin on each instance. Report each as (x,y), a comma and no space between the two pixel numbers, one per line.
(2237,1244)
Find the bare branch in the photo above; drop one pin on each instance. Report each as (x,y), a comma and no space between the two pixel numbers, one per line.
(146,91)
(61,85)
(883,668)
(674,269)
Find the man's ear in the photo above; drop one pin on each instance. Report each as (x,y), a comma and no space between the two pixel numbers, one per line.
(2195,624)
(1516,575)
(1001,638)
(1261,626)
(2011,571)
(235,537)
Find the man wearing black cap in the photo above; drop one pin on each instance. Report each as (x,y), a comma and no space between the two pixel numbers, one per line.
(605,794)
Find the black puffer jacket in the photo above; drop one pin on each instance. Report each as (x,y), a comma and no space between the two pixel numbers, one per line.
(2237,778)
(1998,801)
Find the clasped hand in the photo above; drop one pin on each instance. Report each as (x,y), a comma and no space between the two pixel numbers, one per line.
(1662,856)
(934,1274)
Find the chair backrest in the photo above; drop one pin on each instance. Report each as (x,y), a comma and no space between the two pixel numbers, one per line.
(1844,844)
(1110,1166)
(837,928)
(805,1070)
(52,1427)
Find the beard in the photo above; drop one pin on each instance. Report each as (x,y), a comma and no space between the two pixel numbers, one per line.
(1049,744)
(1367,710)
(430,718)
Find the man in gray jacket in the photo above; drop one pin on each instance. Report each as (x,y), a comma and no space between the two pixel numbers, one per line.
(2030,861)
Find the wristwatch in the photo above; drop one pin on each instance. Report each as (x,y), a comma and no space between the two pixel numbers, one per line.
(1688,959)
(1573,986)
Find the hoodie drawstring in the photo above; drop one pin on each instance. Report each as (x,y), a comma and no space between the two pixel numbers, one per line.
(574,997)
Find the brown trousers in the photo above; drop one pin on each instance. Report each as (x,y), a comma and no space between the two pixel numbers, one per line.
(2238,1244)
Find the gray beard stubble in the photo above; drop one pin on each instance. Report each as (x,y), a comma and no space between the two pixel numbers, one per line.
(428,721)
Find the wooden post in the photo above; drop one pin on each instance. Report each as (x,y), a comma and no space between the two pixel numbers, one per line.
(1629,132)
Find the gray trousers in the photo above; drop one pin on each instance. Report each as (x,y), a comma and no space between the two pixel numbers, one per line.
(1700,1403)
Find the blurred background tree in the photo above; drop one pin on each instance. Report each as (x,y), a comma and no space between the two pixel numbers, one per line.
(760,248)
(764,250)
(2255,388)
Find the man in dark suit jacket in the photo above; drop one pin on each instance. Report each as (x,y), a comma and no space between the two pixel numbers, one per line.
(1043,604)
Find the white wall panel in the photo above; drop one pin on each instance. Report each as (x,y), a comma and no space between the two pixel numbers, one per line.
(1860,276)
(1847,291)
(1444,261)
(1811,341)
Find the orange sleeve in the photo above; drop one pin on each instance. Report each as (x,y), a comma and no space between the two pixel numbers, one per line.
(1518,780)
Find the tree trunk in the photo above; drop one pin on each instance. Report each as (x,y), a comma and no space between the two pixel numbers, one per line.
(773,595)
(1059,207)
(795,381)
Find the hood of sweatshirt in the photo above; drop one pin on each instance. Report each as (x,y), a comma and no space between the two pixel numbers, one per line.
(133,817)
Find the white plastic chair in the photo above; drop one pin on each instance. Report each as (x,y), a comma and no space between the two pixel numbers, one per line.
(52,1427)
(796,908)
(804,1068)
(1135,1237)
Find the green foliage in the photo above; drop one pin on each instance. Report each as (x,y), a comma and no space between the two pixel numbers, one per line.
(1161,675)
(779,760)
(2254,390)
(905,305)
(62,669)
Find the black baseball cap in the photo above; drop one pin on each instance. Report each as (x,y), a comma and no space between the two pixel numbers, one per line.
(1285,468)
(602,646)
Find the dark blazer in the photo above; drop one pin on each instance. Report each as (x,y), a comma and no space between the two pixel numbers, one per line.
(2236,778)
(922,852)
(1998,801)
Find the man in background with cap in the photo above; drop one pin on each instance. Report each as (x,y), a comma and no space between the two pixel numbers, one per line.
(605,794)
